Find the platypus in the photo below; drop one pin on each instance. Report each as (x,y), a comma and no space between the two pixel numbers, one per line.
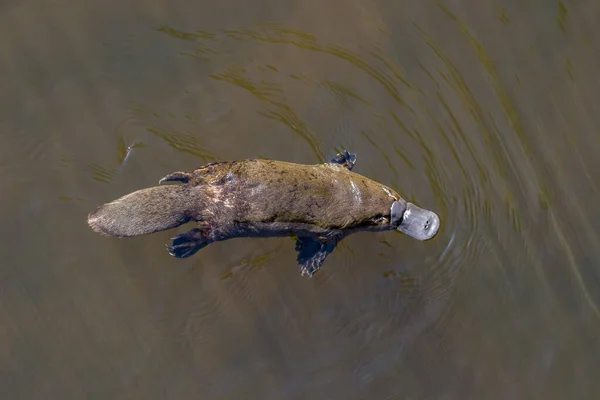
(318,204)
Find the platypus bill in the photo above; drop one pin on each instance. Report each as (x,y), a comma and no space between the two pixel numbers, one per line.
(318,204)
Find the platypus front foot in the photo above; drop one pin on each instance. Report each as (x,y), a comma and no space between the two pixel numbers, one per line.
(187,244)
(346,159)
(312,252)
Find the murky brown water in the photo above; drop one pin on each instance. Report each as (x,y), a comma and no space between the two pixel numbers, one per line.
(486,112)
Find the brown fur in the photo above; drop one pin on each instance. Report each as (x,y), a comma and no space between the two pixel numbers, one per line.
(327,195)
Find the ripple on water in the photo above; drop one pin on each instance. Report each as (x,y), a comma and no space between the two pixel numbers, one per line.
(424,132)
(200,308)
(396,135)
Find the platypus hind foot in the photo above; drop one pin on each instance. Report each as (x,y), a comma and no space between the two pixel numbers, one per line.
(183,177)
(188,243)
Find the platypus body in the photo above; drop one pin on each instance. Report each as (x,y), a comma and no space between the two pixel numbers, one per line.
(319,204)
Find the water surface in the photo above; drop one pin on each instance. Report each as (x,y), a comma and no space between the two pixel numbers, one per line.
(485,112)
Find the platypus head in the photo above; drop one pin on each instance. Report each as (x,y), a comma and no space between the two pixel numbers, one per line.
(414,221)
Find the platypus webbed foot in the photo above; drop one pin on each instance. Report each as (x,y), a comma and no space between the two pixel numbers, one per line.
(346,159)
(183,177)
(312,253)
(187,244)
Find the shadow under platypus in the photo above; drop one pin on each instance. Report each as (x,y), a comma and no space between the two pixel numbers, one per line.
(319,204)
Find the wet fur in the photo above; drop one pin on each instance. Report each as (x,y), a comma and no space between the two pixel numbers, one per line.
(252,198)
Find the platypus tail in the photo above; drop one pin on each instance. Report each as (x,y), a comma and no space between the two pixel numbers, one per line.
(143,212)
